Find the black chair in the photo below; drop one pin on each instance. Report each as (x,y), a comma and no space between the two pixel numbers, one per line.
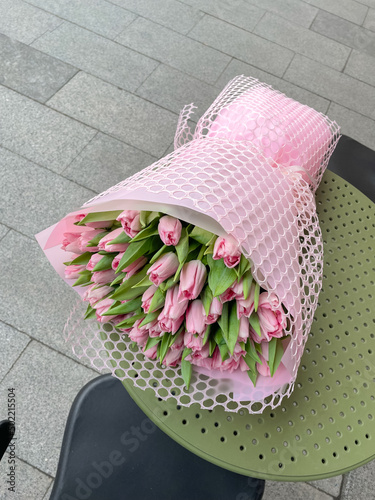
(6,434)
(112,451)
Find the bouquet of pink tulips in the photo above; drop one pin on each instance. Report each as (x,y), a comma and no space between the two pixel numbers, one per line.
(183,294)
(208,263)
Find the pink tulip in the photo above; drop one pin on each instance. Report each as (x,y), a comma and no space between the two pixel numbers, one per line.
(178,343)
(98,224)
(134,267)
(147,298)
(86,237)
(172,308)
(116,260)
(192,279)
(196,318)
(103,277)
(70,242)
(245,307)
(130,221)
(228,250)
(173,356)
(244,329)
(71,272)
(169,324)
(263,369)
(151,353)
(163,268)
(200,358)
(102,307)
(193,341)
(120,318)
(215,311)
(94,293)
(104,243)
(169,230)
(230,364)
(233,292)
(95,259)
(272,319)
(155,330)
(138,335)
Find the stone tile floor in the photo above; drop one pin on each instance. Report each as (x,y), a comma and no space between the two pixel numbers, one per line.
(90,92)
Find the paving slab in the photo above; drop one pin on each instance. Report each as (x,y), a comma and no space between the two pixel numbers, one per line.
(245,46)
(332,485)
(359,483)
(40,134)
(286,491)
(45,384)
(345,32)
(362,67)
(303,96)
(303,41)
(338,87)
(105,162)
(116,112)
(12,344)
(353,124)
(172,89)
(99,56)
(99,16)
(169,47)
(170,13)
(296,11)
(30,482)
(32,197)
(30,72)
(370,20)
(24,22)
(37,302)
(347,9)
(240,13)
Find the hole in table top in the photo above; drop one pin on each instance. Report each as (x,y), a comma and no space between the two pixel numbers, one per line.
(235,433)
(184,422)
(222,439)
(203,430)
(242,448)
(261,457)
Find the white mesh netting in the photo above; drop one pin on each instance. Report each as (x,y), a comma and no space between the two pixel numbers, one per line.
(252,165)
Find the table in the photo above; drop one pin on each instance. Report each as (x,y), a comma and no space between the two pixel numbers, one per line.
(327,426)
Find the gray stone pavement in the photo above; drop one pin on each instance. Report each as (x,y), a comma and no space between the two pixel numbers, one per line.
(90,92)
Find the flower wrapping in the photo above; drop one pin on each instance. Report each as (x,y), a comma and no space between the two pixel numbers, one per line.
(248,172)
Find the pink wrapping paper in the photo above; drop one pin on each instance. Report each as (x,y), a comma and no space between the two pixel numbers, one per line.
(250,171)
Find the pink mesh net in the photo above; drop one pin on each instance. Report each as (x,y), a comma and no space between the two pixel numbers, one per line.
(250,170)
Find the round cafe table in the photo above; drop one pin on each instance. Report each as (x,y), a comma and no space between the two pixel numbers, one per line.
(327,426)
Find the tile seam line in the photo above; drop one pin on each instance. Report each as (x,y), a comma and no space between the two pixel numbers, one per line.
(282,79)
(77,70)
(323,491)
(329,99)
(46,168)
(42,34)
(20,354)
(145,80)
(326,35)
(278,45)
(37,341)
(79,154)
(63,19)
(46,105)
(322,8)
(37,469)
(22,234)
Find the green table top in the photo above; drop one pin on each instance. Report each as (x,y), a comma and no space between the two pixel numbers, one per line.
(327,426)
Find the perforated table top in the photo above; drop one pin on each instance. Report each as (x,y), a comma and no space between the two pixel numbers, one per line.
(327,426)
